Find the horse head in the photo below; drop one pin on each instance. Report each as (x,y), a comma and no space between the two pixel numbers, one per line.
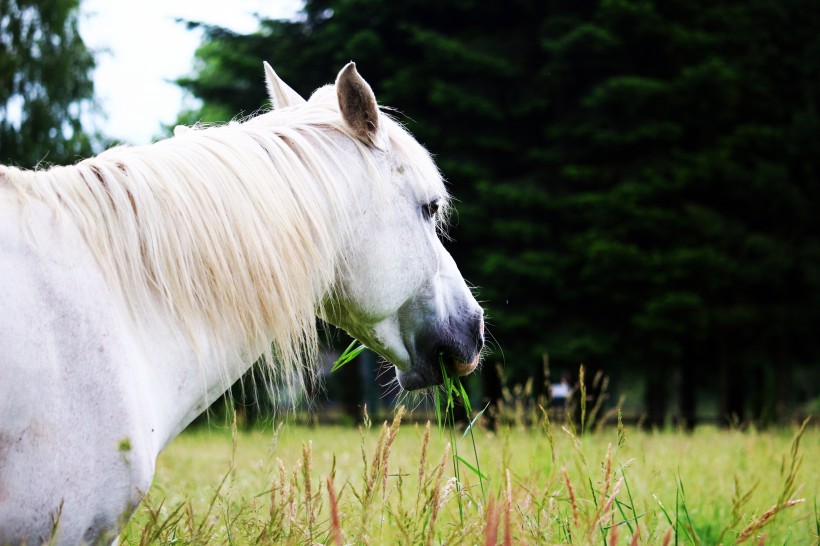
(399,290)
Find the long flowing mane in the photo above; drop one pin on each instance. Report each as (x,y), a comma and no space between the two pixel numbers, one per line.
(236,228)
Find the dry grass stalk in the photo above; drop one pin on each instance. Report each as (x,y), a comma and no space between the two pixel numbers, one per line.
(449,486)
(613,535)
(576,442)
(491,526)
(607,416)
(739,500)
(423,462)
(607,469)
(385,455)
(667,538)
(272,498)
(307,459)
(764,518)
(371,480)
(294,490)
(507,512)
(636,535)
(366,418)
(335,525)
(605,509)
(582,387)
(571,494)
(285,493)
(621,428)
(548,432)
(599,385)
(789,470)
(282,475)
(435,494)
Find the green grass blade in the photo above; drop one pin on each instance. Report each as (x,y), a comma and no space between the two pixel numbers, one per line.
(677,517)
(689,528)
(663,509)
(621,510)
(475,470)
(349,354)
(816,519)
(478,415)
(463,394)
(625,520)
(438,412)
(628,492)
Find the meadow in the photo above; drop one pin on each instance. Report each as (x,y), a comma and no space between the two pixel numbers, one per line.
(546,483)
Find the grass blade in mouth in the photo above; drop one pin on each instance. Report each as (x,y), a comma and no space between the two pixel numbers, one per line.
(445,413)
(349,354)
(453,388)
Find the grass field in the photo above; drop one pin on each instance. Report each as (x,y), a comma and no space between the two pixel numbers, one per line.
(392,485)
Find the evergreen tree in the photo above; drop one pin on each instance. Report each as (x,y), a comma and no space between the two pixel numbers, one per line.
(637,178)
(45,83)
(688,222)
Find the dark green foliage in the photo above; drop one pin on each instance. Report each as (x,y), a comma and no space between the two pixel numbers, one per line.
(45,83)
(637,179)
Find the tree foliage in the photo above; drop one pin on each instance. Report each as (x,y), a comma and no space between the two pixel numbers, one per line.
(45,83)
(637,179)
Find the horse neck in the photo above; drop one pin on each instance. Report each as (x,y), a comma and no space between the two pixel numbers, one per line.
(281,249)
(200,380)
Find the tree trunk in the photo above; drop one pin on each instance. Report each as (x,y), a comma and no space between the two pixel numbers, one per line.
(492,393)
(687,396)
(732,391)
(655,399)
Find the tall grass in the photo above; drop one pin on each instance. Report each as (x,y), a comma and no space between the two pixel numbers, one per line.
(544,485)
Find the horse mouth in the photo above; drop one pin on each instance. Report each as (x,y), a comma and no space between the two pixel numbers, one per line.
(429,373)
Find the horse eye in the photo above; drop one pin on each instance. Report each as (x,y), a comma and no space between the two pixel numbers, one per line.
(431,208)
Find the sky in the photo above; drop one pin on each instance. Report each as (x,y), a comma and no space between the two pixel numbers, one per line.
(141,48)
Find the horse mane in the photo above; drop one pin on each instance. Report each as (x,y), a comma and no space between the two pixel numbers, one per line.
(235,228)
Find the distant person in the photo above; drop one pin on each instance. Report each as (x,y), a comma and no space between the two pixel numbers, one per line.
(561,392)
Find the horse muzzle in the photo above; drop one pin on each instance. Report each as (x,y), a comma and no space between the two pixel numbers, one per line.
(456,350)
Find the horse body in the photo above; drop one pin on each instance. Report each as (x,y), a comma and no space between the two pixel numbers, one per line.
(116,332)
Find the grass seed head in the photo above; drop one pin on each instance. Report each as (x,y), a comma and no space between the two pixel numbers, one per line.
(764,518)
(335,524)
(491,516)
(571,494)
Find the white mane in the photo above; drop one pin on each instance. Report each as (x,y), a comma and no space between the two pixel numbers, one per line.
(236,228)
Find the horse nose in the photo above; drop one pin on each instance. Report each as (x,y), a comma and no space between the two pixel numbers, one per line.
(479,332)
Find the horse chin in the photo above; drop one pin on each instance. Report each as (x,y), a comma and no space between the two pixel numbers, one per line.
(415,378)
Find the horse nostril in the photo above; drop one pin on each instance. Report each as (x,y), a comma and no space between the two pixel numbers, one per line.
(479,332)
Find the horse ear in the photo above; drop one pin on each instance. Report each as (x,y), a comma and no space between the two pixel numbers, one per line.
(280,93)
(358,105)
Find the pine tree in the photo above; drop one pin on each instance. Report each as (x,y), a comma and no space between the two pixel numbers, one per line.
(637,179)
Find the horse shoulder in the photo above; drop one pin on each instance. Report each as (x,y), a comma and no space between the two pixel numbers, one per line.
(71,445)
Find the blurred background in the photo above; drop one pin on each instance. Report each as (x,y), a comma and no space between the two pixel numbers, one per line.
(638,182)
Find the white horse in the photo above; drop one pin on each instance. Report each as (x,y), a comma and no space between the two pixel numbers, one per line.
(136,286)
